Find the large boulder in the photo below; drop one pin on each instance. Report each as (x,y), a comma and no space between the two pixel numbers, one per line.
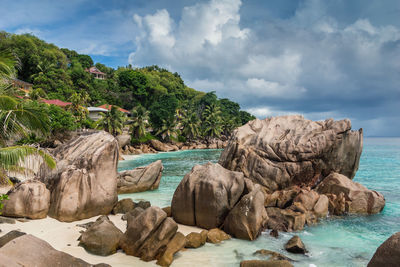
(358,199)
(10,236)
(29,199)
(28,250)
(101,238)
(205,196)
(84,184)
(148,234)
(248,218)
(160,146)
(388,254)
(123,140)
(140,179)
(282,151)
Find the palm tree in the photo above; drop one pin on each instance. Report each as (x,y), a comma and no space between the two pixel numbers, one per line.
(168,130)
(37,93)
(140,121)
(16,120)
(212,121)
(79,100)
(112,121)
(191,126)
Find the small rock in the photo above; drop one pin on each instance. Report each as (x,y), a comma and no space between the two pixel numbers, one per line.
(195,240)
(7,220)
(274,233)
(295,245)
(167,211)
(23,220)
(143,204)
(123,206)
(216,236)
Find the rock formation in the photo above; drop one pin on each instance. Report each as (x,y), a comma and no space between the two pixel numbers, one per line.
(84,184)
(357,198)
(140,179)
(295,245)
(29,199)
(289,150)
(205,196)
(195,240)
(388,254)
(28,250)
(148,234)
(101,238)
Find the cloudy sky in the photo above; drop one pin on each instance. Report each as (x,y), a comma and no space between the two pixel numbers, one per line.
(320,58)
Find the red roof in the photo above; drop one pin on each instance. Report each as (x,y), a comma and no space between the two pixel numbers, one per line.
(107,106)
(95,70)
(56,102)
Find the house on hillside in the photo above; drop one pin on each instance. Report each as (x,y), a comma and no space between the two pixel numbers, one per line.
(23,86)
(108,107)
(96,73)
(56,102)
(95,112)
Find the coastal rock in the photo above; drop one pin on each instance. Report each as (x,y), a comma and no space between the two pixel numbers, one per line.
(167,210)
(84,184)
(387,254)
(28,250)
(205,196)
(195,240)
(295,245)
(29,199)
(101,238)
(289,150)
(248,218)
(176,244)
(148,234)
(140,179)
(308,198)
(123,206)
(321,208)
(358,199)
(272,255)
(123,140)
(285,219)
(265,263)
(10,236)
(160,146)
(216,236)
(132,214)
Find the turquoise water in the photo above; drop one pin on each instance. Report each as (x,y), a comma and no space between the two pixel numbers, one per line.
(347,241)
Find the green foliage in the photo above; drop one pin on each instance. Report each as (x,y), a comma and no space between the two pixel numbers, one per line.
(163,111)
(140,122)
(60,120)
(112,121)
(144,139)
(2,197)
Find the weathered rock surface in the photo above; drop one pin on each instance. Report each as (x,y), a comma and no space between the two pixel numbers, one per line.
(148,234)
(10,236)
(282,151)
(272,255)
(123,206)
(140,179)
(387,254)
(357,198)
(177,243)
(195,240)
(123,140)
(205,196)
(84,184)
(321,208)
(28,250)
(29,199)
(248,218)
(265,263)
(159,146)
(285,219)
(295,245)
(101,238)
(216,236)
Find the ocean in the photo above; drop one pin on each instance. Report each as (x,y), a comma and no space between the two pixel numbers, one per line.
(343,241)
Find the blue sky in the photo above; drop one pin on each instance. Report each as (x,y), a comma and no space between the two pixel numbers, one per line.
(323,59)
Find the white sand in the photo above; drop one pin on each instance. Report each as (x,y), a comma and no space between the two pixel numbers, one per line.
(63,236)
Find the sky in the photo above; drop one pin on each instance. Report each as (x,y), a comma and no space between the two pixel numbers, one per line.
(320,58)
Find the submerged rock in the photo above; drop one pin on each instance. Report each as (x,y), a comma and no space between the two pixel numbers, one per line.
(140,179)
(357,198)
(387,254)
(28,250)
(29,199)
(295,245)
(205,196)
(84,184)
(282,151)
(101,238)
